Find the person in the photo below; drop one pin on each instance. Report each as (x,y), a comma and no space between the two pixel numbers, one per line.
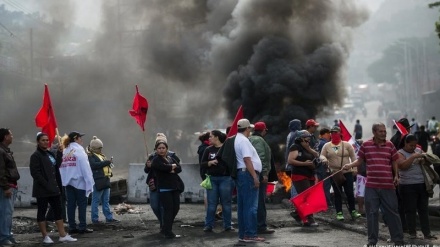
(415,126)
(102,171)
(77,177)
(44,169)
(397,137)
(264,152)
(422,138)
(432,126)
(381,158)
(361,180)
(412,187)
(322,170)
(221,182)
(294,127)
(303,173)
(169,185)
(357,130)
(8,182)
(312,127)
(338,152)
(204,143)
(152,180)
(248,171)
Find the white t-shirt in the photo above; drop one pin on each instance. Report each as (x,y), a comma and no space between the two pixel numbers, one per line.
(243,149)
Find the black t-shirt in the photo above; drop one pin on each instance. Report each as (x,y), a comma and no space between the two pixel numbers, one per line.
(218,170)
(303,156)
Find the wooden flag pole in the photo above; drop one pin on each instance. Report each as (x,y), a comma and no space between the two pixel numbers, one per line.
(59,137)
(145,142)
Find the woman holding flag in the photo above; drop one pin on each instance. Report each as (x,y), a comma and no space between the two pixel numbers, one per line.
(303,171)
(339,152)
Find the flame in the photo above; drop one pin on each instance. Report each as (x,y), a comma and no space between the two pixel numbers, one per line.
(284,180)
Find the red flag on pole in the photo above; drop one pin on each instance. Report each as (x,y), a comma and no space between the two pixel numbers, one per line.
(346,136)
(310,201)
(45,118)
(140,108)
(238,116)
(401,128)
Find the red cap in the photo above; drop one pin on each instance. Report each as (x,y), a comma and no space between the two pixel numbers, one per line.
(260,126)
(311,122)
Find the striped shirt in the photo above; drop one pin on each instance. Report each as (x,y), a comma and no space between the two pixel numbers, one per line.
(379,159)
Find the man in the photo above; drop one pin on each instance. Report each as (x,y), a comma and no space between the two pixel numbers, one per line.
(8,182)
(381,158)
(415,126)
(357,130)
(294,127)
(312,127)
(263,151)
(322,170)
(432,126)
(423,138)
(248,171)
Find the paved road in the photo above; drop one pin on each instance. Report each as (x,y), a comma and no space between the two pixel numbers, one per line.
(142,230)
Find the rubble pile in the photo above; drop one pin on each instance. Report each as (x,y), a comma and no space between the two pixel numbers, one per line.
(123,208)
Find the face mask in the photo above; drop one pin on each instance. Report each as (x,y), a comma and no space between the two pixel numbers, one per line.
(336,138)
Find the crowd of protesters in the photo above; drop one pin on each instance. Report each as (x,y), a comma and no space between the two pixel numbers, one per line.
(390,176)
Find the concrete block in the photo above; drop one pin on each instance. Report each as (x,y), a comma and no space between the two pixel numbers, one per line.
(25,185)
(137,191)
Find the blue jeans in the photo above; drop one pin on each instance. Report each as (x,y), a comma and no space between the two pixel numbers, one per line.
(6,211)
(156,206)
(221,190)
(387,200)
(76,197)
(103,197)
(321,173)
(247,205)
(261,212)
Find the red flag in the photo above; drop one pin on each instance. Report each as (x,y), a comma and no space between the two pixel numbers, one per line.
(346,136)
(238,116)
(45,118)
(140,108)
(310,201)
(401,128)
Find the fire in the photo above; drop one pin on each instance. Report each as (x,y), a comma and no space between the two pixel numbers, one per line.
(284,180)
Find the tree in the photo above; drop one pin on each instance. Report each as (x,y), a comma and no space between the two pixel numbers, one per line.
(437,23)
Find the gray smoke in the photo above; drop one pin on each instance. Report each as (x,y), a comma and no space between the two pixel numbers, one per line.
(280,59)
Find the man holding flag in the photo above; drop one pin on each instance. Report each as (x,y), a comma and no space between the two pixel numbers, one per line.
(381,158)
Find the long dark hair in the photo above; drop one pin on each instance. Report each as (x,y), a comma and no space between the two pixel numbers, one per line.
(221,136)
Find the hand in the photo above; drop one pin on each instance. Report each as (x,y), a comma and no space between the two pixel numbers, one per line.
(173,166)
(396,181)
(148,164)
(8,193)
(212,163)
(112,165)
(256,182)
(265,180)
(346,167)
(310,164)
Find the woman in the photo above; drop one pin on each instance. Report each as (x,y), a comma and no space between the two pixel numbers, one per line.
(152,180)
(339,152)
(102,171)
(47,188)
(221,183)
(303,171)
(78,179)
(412,187)
(169,185)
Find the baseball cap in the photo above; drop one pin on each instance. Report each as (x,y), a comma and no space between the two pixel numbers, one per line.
(244,123)
(75,134)
(311,122)
(260,126)
(335,129)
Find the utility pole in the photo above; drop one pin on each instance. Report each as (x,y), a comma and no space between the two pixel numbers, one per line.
(31,53)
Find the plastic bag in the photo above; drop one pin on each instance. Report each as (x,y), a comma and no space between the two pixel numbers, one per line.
(207,183)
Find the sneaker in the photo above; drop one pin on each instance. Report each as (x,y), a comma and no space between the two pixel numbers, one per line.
(67,238)
(266,231)
(308,224)
(430,237)
(355,214)
(207,229)
(253,239)
(47,240)
(296,217)
(230,229)
(87,230)
(112,221)
(12,239)
(6,243)
(97,222)
(339,216)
